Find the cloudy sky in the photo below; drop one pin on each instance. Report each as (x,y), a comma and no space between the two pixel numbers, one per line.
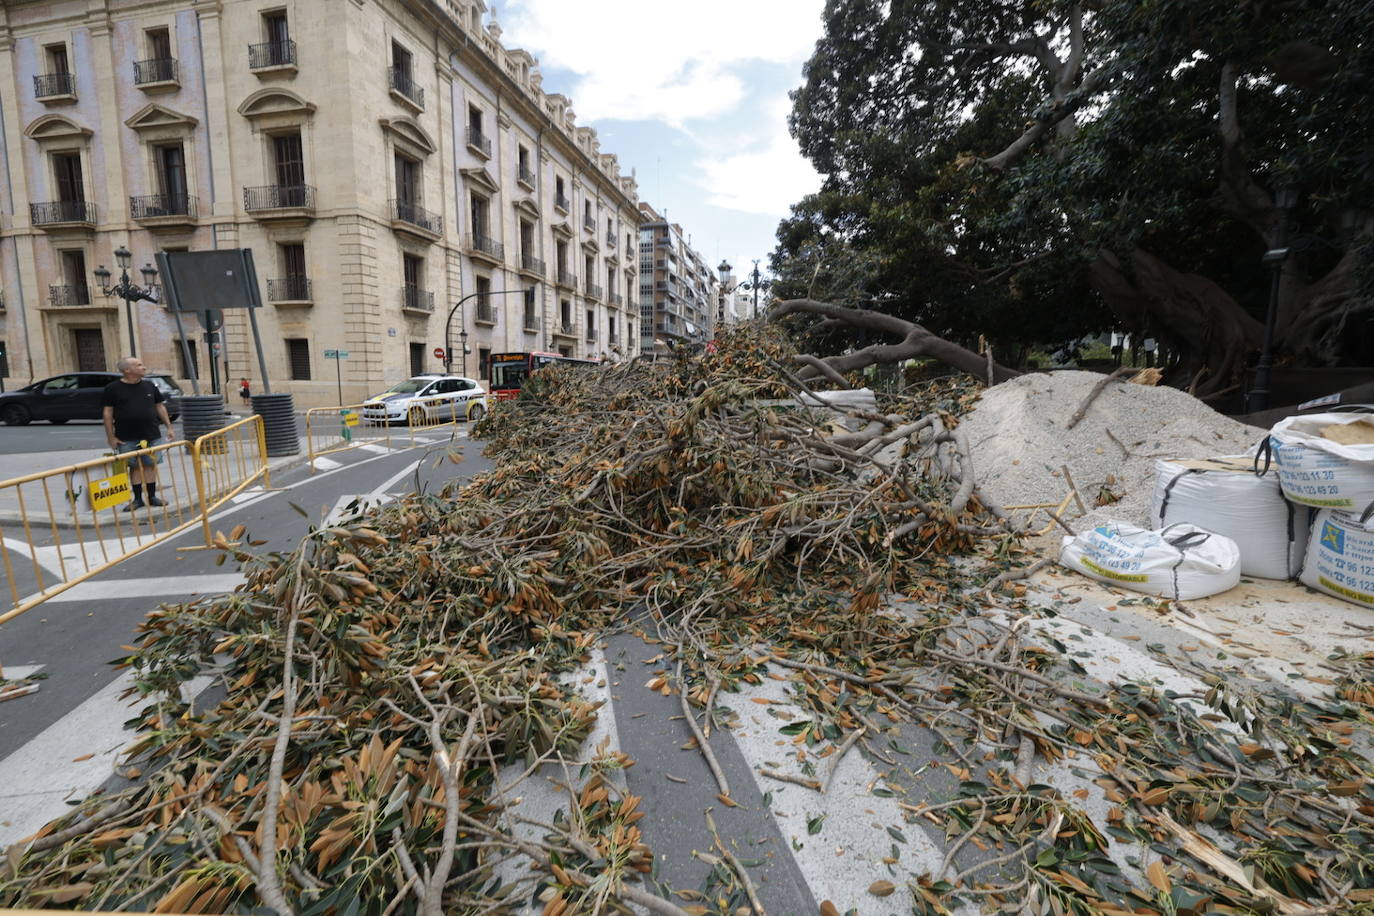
(692,96)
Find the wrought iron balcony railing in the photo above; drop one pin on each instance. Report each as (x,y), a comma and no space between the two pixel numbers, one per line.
(289,289)
(532,264)
(62,211)
(401,81)
(279,197)
(69,294)
(486,312)
(46,85)
(567,329)
(272,54)
(407,211)
(416,299)
(151,206)
(617,299)
(477,141)
(524,176)
(588,222)
(159,70)
(592,291)
(561,202)
(486,245)
(566,278)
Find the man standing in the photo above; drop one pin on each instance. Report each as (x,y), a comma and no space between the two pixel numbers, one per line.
(133,408)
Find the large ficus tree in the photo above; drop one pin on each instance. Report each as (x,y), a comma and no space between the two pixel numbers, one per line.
(1052,167)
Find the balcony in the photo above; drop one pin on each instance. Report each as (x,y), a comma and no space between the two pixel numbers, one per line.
(531,322)
(589,222)
(289,291)
(485,313)
(69,295)
(168,210)
(409,217)
(404,88)
(272,56)
(592,291)
(414,299)
(617,300)
(525,177)
(55,87)
(566,279)
(486,247)
(531,265)
(55,214)
(591,335)
(662,241)
(160,73)
(566,328)
(610,238)
(560,202)
(280,201)
(479,144)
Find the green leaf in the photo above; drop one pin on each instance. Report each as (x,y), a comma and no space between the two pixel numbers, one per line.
(814,824)
(896,834)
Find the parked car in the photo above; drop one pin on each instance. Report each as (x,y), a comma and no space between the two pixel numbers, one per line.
(430,397)
(73,396)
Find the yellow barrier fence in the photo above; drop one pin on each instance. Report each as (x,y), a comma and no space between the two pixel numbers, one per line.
(338,429)
(75,522)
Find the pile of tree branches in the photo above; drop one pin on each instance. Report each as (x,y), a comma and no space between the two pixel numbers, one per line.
(389,685)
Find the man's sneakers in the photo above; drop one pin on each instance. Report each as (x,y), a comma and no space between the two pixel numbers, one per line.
(139,504)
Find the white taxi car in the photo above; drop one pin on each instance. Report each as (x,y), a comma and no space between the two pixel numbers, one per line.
(427,398)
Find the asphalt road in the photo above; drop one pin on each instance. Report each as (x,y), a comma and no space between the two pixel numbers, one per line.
(47,437)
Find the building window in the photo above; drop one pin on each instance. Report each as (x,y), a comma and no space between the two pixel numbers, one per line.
(298,354)
(275,30)
(74,276)
(526,242)
(590,264)
(531,310)
(170,161)
(523,172)
(4,360)
(407,181)
(560,193)
(288,155)
(55,56)
(565,318)
(610,329)
(483,361)
(591,324)
(401,61)
(588,219)
(481,213)
(71,186)
(192,369)
(413,270)
(159,42)
(417,358)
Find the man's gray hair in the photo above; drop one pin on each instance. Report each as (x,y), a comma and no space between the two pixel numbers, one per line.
(125,364)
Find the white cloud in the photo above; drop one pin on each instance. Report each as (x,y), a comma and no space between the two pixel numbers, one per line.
(767,179)
(670,62)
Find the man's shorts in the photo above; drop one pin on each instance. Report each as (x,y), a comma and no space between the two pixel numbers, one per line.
(147,461)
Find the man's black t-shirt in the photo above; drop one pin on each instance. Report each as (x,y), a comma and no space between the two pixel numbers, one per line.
(135,409)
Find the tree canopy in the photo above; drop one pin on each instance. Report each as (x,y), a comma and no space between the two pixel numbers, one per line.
(1034,171)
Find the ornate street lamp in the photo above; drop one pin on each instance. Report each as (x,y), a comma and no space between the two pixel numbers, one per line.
(126,290)
(755,283)
(1285,199)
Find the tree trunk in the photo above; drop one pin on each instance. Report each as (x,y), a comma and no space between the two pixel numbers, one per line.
(916,341)
(1192,314)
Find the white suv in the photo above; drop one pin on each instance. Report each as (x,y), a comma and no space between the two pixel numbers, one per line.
(426,399)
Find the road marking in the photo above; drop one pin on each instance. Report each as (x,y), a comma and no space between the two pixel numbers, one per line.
(325,464)
(249,495)
(41,776)
(353,505)
(374,448)
(106,589)
(19,672)
(405,472)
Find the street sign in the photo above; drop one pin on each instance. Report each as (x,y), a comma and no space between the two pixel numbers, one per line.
(438,352)
(336,354)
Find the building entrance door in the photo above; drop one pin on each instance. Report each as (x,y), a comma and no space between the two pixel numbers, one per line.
(90,350)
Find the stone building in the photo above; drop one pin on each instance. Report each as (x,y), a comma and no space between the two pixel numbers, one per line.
(677,290)
(383,159)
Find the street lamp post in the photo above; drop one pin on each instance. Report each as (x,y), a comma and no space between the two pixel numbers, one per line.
(755,283)
(448,327)
(1285,198)
(126,290)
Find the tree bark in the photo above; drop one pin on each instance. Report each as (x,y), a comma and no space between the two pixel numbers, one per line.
(916,341)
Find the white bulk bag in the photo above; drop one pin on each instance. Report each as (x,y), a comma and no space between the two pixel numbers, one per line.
(1181,561)
(1316,470)
(1340,557)
(1224,496)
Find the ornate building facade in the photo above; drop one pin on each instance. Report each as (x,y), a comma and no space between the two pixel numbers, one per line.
(383,159)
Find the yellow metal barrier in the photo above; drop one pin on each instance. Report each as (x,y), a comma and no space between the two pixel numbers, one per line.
(77,523)
(76,520)
(338,429)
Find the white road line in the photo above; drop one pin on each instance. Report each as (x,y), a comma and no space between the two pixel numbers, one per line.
(107,589)
(847,853)
(405,472)
(19,672)
(37,779)
(374,448)
(325,464)
(546,790)
(352,505)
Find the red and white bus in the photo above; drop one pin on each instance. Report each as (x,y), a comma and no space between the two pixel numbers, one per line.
(509,370)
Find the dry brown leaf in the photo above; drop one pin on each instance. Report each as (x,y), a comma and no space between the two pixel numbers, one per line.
(881,888)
